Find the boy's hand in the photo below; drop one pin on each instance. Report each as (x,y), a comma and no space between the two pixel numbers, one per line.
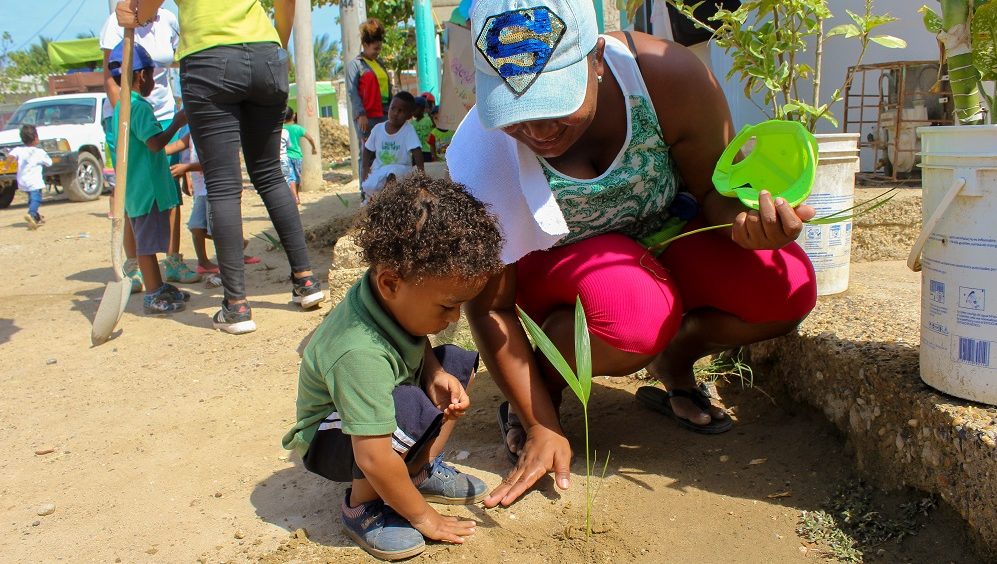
(180,118)
(436,527)
(178,170)
(448,395)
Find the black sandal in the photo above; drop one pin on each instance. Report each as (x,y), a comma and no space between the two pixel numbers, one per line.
(660,400)
(504,427)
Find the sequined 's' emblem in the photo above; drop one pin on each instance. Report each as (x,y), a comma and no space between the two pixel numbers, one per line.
(519,44)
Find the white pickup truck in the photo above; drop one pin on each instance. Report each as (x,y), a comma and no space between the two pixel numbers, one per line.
(71,132)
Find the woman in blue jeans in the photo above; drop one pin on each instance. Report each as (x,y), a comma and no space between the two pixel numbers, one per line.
(233,76)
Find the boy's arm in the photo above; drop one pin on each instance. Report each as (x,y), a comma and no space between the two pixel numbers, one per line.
(312,141)
(181,144)
(417,159)
(46,159)
(158,142)
(387,473)
(444,389)
(368,160)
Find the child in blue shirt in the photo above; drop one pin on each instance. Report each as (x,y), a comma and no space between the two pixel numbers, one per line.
(151,193)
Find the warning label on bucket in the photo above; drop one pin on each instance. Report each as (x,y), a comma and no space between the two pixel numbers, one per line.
(972,298)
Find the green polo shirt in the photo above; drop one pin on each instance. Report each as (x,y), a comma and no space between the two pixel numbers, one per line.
(149,178)
(352,364)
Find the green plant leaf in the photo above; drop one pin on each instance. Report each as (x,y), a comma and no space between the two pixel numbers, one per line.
(984,33)
(848,30)
(889,41)
(932,21)
(553,355)
(583,351)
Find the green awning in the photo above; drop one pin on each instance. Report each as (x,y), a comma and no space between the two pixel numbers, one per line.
(75,53)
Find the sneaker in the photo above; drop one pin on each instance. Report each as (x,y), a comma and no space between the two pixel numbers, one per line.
(174,293)
(213,281)
(32,222)
(160,302)
(237,320)
(132,271)
(446,484)
(176,270)
(307,291)
(380,531)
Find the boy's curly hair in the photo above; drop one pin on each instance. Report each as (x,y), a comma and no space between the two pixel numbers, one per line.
(422,226)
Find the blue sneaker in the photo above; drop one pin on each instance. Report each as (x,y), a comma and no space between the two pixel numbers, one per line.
(161,302)
(175,294)
(445,484)
(380,531)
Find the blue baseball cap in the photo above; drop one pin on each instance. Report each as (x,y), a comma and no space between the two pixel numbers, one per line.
(530,58)
(140,59)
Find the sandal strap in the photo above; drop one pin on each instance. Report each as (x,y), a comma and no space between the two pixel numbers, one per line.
(699,395)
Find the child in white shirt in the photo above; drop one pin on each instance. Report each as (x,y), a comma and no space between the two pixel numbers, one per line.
(30,161)
(393,149)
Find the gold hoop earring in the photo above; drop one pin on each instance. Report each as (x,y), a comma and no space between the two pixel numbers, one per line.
(598,78)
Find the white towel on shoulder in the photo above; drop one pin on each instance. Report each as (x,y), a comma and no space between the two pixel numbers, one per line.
(504,174)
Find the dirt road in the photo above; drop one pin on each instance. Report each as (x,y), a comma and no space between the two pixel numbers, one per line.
(163,445)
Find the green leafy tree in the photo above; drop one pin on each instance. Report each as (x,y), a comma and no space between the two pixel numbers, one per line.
(22,72)
(328,62)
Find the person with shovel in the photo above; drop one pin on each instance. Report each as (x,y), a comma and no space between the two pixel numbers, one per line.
(581,144)
(152,193)
(234,81)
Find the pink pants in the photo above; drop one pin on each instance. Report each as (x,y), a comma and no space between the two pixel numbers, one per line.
(635,302)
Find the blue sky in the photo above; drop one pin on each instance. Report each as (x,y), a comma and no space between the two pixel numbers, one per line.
(65,19)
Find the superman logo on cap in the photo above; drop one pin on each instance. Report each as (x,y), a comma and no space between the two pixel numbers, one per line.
(519,44)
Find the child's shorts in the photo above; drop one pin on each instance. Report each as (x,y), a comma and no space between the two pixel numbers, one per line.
(418,422)
(199,214)
(295,169)
(152,231)
(380,175)
(290,174)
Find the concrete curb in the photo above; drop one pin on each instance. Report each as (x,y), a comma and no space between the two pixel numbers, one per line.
(856,360)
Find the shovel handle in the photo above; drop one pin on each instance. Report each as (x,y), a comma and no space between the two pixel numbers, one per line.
(121,155)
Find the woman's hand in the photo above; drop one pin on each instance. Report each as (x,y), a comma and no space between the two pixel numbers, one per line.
(545,450)
(127,13)
(775,224)
(362,124)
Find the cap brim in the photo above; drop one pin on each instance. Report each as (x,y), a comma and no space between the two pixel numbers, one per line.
(554,94)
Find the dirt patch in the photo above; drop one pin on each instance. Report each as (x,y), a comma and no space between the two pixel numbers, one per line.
(335,140)
(163,445)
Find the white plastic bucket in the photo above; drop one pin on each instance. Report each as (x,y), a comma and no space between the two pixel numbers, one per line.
(830,246)
(957,253)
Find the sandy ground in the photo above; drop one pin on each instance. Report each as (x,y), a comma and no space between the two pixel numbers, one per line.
(165,442)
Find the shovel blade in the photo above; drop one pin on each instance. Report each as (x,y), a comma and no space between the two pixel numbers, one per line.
(109,312)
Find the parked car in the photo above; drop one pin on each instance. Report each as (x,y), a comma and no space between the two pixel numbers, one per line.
(71,132)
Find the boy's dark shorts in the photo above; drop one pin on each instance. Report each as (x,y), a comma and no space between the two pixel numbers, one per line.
(331,452)
(152,231)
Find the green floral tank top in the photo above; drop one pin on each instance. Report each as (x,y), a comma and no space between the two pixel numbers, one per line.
(631,197)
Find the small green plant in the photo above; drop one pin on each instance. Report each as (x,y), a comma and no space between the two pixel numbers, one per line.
(273,243)
(580,382)
(858,210)
(852,522)
(770,43)
(967,34)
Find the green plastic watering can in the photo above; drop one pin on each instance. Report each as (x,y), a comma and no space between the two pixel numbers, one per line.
(783,161)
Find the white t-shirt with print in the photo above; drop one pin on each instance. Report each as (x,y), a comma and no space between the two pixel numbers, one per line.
(30,161)
(196,177)
(285,142)
(160,38)
(392,149)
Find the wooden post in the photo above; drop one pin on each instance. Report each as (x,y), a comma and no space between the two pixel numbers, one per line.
(351,13)
(308,114)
